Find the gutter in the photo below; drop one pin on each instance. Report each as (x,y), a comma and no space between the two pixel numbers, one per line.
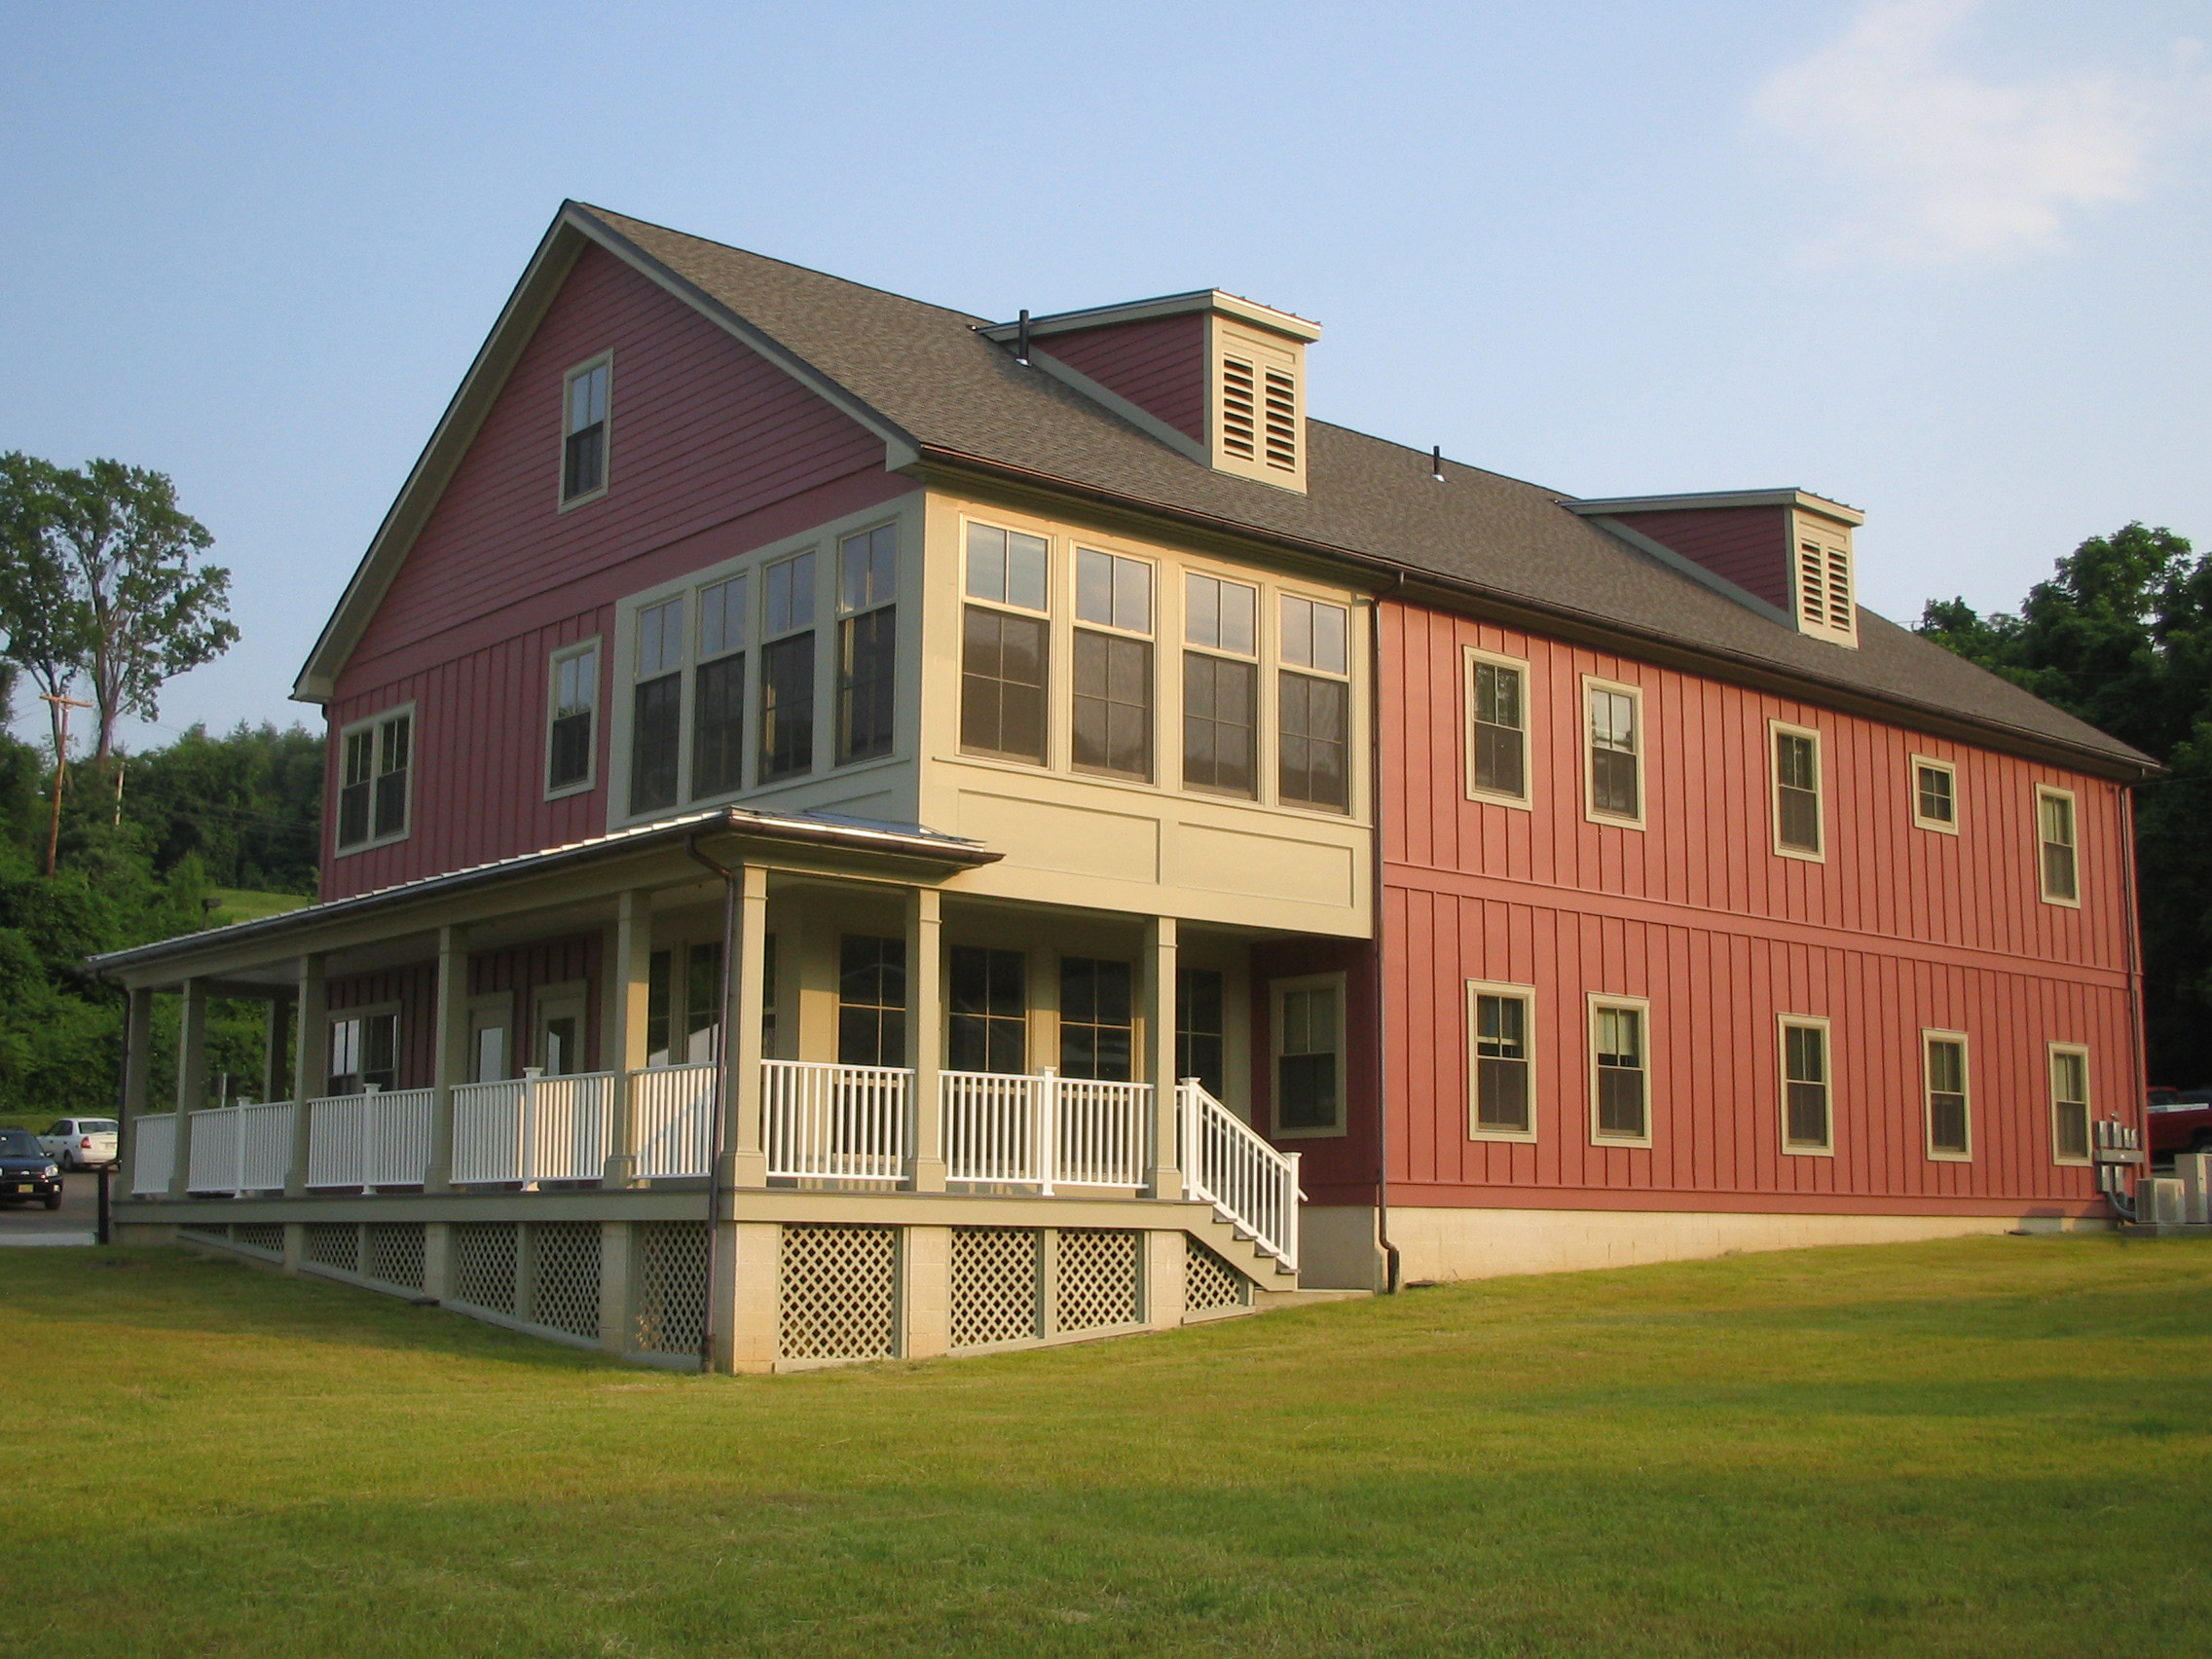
(2099,762)
(1391,1257)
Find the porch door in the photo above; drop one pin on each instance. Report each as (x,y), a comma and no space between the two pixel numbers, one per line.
(561,1032)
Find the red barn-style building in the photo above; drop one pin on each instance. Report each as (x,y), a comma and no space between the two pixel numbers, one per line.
(860,829)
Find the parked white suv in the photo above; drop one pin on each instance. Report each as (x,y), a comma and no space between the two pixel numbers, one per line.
(78,1143)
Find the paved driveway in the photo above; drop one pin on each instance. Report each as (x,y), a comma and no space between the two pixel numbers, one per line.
(29,1222)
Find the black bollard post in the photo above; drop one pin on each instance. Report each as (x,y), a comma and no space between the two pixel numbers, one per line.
(102,1235)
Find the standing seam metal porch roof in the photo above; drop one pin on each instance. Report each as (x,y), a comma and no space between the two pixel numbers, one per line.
(925,374)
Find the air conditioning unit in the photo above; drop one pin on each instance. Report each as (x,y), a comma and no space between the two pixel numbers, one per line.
(2158,1201)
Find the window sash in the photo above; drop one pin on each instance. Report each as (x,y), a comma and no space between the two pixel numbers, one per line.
(988,1002)
(2054,816)
(867,684)
(2070,1103)
(1007,566)
(1615,758)
(1113,705)
(1314,754)
(1622,1107)
(1221,722)
(1500,738)
(656,733)
(871,1001)
(1502,1064)
(788,595)
(1314,634)
(575,703)
(787,707)
(867,569)
(1805,1087)
(718,726)
(583,448)
(1796,792)
(1113,591)
(1934,788)
(1097,1019)
(1948,1125)
(1202,1030)
(1219,615)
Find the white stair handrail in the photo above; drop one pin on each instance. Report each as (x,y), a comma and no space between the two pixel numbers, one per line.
(1250,1185)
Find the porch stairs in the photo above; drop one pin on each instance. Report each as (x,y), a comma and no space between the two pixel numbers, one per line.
(1249,1188)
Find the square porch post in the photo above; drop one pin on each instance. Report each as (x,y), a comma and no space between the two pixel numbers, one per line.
(311,1061)
(191,1077)
(745,1148)
(629,983)
(274,1076)
(925,1035)
(450,1065)
(137,1078)
(1163,1177)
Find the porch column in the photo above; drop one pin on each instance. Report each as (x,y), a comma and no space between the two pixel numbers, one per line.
(1164,1178)
(190,1077)
(274,1076)
(449,1064)
(138,1078)
(310,1063)
(745,1146)
(925,1034)
(629,982)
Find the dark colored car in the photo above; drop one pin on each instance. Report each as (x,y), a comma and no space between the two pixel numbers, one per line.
(27,1170)
(2181,1121)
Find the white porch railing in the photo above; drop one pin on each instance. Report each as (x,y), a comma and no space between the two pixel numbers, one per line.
(1043,1130)
(1253,1186)
(245,1148)
(152,1155)
(836,1122)
(671,1110)
(379,1140)
(534,1128)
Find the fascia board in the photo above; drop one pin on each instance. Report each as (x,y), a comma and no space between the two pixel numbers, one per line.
(1805,500)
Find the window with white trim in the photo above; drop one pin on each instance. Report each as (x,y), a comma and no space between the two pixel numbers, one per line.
(1613,752)
(572,719)
(2058,866)
(1221,686)
(1314,704)
(1807,1116)
(656,707)
(364,1052)
(2069,1103)
(1620,1070)
(1497,728)
(1005,644)
(1309,1057)
(1950,1112)
(1934,794)
(374,791)
(867,590)
(718,692)
(1502,1037)
(786,669)
(1796,776)
(1113,665)
(584,429)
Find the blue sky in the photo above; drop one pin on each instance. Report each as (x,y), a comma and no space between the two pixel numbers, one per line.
(1946,261)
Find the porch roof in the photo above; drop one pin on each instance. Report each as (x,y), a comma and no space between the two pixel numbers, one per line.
(798,830)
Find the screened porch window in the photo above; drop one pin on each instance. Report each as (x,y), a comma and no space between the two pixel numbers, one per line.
(871,1001)
(1097,1019)
(989,1023)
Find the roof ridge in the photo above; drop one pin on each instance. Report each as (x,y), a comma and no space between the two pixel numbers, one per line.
(969,317)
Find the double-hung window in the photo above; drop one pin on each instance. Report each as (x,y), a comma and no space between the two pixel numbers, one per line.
(574,700)
(871,1001)
(867,587)
(1097,1019)
(656,707)
(1113,665)
(1806,1118)
(1934,794)
(786,669)
(1796,791)
(1501,1036)
(1615,751)
(1950,1120)
(1620,1065)
(377,759)
(584,429)
(1005,643)
(1310,1056)
(988,1028)
(1221,686)
(717,692)
(2069,1103)
(1497,728)
(2054,832)
(1314,704)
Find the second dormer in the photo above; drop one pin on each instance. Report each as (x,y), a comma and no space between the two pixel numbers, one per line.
(1218,377)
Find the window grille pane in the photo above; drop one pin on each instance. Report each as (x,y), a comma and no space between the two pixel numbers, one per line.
(1499,742)
(1220,724)
(655,732)
(1621,1072)
(1808,1106)
(1113,705)
(790,595)
(1615,782)
(1113,591)
(1221,616)
(1002,685)
(1316,635)
(2057,814)
(569,759)
(702,1001)
(1501,1095)
(867,684)
(989,1011)
(1097,1014)
(1936,802)
(584,456)
(1947,1121)
(660,639)
(1201,1028)
(1947,1067)
(718,727)
(787,707)
(871,1001)
(1314,716)
(393,747)
(721,618)
(869,568)
(2071,1129)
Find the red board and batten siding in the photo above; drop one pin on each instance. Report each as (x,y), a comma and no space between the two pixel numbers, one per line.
(1159,365)
(521,970)
(1900,929)
(712,452)
(1747,545)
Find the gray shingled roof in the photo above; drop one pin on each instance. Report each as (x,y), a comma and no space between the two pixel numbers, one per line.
(926,373)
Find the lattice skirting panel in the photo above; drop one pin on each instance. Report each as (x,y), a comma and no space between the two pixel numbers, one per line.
(266,1236)
(482,1265)
(391,1253)
(333,1244)
(1094,1279)
(1209,1283)
(205,1228)
(564,1276)
(837,1295)
(670,1312)
(995,1272)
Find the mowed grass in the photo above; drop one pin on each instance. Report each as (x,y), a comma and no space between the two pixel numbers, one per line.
(1993,1446)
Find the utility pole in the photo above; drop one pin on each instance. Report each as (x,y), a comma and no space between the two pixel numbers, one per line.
(61,707)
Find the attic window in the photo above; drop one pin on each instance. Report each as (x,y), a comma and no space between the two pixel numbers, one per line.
(584,429)
(1824,600)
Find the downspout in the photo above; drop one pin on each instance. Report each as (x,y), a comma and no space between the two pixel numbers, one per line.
(2125,1207)
(729,883)
(1391,1260)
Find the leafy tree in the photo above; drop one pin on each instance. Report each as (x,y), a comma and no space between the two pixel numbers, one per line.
(2122,637)
(101,581)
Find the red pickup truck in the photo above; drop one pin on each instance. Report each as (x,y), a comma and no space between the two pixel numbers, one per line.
(2181,1121)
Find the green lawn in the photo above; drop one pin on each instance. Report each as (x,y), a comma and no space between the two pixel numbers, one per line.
(248,904)
(1984,1447)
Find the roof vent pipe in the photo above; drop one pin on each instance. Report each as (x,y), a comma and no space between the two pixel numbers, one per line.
(1436,464)
(1021,340)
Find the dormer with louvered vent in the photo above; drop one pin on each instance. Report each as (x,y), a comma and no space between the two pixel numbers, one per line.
(1217,377)
(1785,553)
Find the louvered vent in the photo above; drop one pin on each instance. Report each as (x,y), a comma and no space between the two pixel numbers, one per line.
(1282,421)
(1824,603)
(1237,436)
